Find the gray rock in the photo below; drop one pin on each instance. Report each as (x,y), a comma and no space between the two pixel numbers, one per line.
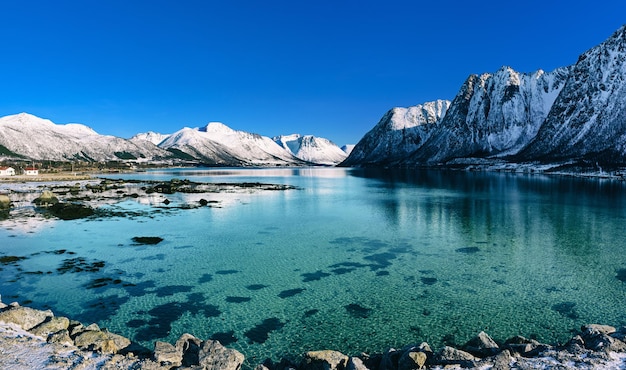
(482,345)
(167,354)
(355,363)
(5,202)
(324,360)
(389,360)
(412,360)
(61,337)
(502,361)
(214,356)
(53,325)
(25,317)
(451,356)
(47,198)
(101,341)
(595,329)
(189,346)
(523,346)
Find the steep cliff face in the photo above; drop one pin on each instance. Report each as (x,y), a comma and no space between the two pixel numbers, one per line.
(400,132)
(493,115)
(588,119)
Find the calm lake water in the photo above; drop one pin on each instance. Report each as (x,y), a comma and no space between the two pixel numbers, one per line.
(354,260)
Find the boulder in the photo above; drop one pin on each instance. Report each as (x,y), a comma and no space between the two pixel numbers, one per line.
(189,346)
(167,354)
(596,329)
(502,361)
(25,317)
(523,346)
(452,356)
(61,337)
(482,345)
(412,360)
(47,198)
(101,341)
(214,356)
(355,363)
(52,325)
(324,360)
(389,360)
(5,202)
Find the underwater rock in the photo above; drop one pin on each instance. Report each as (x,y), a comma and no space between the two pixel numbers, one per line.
(147,240)
(71,211)
(324,360)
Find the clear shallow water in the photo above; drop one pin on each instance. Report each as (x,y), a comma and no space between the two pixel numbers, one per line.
(356,260)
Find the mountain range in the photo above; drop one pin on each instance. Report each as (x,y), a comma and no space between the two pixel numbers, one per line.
(29,137)
(574,114)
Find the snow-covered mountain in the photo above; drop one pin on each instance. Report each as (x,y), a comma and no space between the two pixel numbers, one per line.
(151,136)
(588,119)
(312,149)
(399,133)
(572,113)
(217,143)
(40,139)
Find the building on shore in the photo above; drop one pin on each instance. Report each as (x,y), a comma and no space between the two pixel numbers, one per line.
(7,171)
(31,171)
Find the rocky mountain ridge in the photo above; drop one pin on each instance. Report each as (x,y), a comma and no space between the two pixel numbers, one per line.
(571,114)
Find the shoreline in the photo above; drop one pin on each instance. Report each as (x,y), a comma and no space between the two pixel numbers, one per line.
(31,338)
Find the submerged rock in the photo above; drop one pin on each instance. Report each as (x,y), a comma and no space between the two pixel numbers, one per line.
(147,240)
(71,211)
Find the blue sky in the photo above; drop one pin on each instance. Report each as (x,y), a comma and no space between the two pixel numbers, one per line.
(327,68)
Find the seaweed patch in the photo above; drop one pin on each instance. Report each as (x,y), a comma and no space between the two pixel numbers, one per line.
(290,292)
(256,286)
(225,338)
(260,333)
(314,276)
(226,272)
(233,299)
(468,250)
(358,311)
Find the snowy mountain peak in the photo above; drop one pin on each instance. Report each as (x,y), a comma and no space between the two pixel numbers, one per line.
(150,136)
(217,127)
(312,149)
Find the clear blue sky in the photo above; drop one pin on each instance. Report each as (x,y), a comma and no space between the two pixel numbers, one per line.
(327,68)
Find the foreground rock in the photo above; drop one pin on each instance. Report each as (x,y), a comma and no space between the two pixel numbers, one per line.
(31,338)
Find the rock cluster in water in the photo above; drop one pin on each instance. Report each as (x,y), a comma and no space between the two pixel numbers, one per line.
(595,346)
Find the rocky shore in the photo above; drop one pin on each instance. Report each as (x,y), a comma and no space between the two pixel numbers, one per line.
(35,339)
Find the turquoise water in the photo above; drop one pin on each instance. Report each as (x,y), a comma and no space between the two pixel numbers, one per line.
(354,260)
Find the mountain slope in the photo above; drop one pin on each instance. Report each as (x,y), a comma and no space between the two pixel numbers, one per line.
(400,132)
(312,149)
(41,139)
(218,144)
(588,119)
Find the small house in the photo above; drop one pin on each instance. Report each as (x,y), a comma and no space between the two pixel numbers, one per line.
(7,171)
(31,171)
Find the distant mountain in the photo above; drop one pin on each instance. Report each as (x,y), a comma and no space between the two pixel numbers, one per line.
(573,113)
(151,136)
(28,136)
(312,149)
(399,133)
(218,144)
